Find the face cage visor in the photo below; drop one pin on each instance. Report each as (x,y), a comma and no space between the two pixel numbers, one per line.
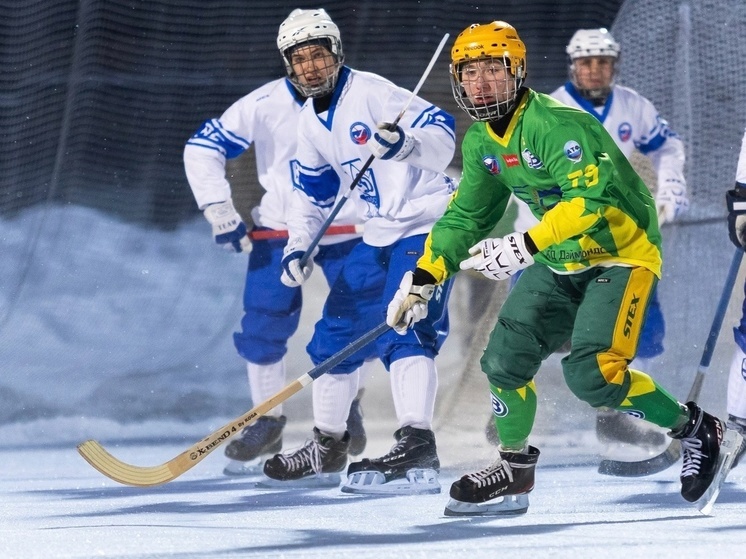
(486,111)
(597,95)
(325,86)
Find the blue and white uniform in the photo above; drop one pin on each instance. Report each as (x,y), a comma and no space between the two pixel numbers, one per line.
(267,118)
(398,201)
(635,125)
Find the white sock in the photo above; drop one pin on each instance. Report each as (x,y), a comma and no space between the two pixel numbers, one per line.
(332,397)
(265,381)
(365,370)
(414,382)
(736,397)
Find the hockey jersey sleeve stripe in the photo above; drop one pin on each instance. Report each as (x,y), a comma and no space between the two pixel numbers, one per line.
(213,134)
(433,116)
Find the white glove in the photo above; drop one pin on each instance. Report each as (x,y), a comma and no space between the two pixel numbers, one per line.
(292,273)
(409,304)
(390,142)
(671,200)
(228,228)
(498,259)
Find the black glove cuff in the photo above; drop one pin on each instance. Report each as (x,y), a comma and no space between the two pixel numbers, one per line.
(422,277)
(736,199)
(530,245)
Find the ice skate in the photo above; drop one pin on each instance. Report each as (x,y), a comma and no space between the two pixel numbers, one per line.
(613,427)
(257,441)
(709,449)
(500,489)
(410,467)
(355,428)
(317,464)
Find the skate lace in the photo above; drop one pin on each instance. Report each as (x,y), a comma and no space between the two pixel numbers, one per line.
(310,455)
(692,456)
(492,474)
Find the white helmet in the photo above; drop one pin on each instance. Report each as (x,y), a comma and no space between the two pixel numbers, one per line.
(592,42)
(310,26)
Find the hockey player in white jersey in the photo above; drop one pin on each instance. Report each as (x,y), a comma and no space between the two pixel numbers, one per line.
(736,394)
(635,125)
(267,118)
(400,196)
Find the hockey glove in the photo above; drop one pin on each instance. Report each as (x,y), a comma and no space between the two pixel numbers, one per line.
(736,200)
(409,304)
(498,259)
(390,142)
(671,200)
(228,228)
(292,273)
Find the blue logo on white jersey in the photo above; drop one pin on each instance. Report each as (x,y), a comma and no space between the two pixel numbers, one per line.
(531,160)
(360,133)
(573,151)
(490,161)
(499,408)
(625,131)
(366,187)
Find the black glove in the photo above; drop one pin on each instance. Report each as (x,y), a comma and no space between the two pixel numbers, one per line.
(736,200)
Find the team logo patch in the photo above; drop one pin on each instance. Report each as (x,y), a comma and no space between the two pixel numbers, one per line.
(493,166)
(573,151)
(531,160)
(511,160)
(360,133)
(625,131)
(499,409)
(743,368)
(635,413)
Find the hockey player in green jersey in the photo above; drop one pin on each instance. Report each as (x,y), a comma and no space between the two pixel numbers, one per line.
(590,266)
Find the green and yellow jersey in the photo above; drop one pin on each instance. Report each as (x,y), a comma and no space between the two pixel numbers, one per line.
(594,208)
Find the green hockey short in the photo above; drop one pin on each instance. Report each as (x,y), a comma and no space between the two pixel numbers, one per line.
(601,310)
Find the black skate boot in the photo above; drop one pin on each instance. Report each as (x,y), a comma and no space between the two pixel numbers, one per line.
(355,428)
(264,437)
(501,488)
(410,467)
(708,449)
(317,464)
(617,427)
(737,424)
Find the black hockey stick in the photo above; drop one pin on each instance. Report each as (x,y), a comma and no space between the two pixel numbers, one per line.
(364,168)
(671,455)
(149,476)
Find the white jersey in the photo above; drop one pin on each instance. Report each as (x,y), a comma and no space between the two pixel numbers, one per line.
(634,124)
(394,199)
(741,169)
(268,118)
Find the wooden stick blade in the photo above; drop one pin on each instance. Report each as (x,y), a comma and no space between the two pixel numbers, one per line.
(138,476)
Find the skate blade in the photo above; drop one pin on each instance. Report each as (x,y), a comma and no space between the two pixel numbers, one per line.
(316,481)
(419,481)
(731,442)
(509,505)
(237,468)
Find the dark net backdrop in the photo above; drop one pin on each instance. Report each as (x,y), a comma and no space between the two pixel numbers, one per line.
(99,96)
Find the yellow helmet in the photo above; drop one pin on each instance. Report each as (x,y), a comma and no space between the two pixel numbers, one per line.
(488,41)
